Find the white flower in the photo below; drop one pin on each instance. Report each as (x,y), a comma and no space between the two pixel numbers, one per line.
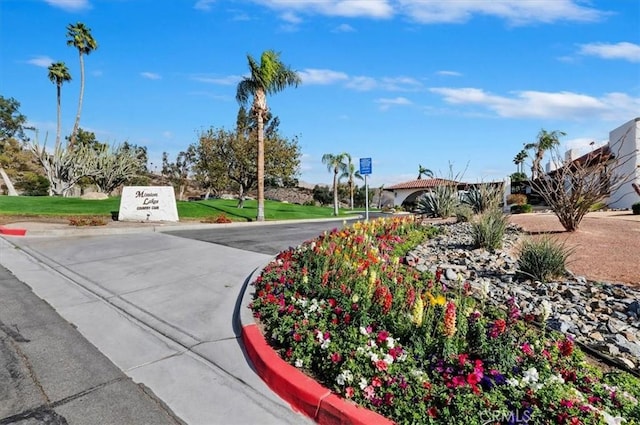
(391,342)
(546,310)
(340,379)
(402,357)
(348,376)
(513,382)
(530,376)
(610,420)
(299,363)
(363,383)
(325,344)
(359,350)
(374,357)
(363,330)
(388,359)
(556,378)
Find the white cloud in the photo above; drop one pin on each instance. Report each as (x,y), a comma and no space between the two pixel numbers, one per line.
(229,80)
(204,5)
(344,28)
(167,134)
(346,8)
(400,84)
(97,73)
(536,104)
(362,83)
(386,103)
(150,75)
(41,61)
(516,12)
(449,73)
(321,76)
(290,17)
(69,5)
(622,50)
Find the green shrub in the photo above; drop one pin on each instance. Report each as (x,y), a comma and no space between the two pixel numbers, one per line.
(483,198)
(441,202)
(488,230)
(517,199)
(521,209)
(636,208)
(464,213)
(598,206)
(543,259)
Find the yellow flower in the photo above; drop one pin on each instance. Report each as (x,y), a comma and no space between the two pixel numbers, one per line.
(439,300)
(417,312)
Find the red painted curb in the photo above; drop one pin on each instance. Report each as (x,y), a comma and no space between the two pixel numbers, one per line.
(12,232)
(300,391)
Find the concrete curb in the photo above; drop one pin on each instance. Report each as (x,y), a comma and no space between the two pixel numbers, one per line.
(304,394)
(12,231)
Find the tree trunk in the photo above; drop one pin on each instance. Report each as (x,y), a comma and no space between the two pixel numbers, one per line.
(11,191)
(241,197)
(335,192)
(261,110)
(59,128)
(72,139)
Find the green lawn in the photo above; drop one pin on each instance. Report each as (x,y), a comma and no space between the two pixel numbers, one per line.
(60,207)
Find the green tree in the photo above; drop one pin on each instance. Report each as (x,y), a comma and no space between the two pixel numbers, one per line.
(13,157)
(59,74)
(178,171)
(79,36)
(350,173)
(270,76)
(11,120)
(336,164)
(546,141)
(322,194)
(519,160)
(422,171)
(225,157)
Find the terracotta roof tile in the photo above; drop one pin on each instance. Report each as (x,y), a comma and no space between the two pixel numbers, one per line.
(422,184)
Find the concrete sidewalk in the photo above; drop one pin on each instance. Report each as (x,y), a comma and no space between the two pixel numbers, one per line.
(161,308)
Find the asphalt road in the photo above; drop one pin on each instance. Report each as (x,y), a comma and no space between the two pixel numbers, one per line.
(266,239)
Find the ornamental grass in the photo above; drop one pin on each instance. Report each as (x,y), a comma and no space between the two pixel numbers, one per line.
(347,310)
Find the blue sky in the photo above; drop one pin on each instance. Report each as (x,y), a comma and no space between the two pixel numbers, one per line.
(405,82)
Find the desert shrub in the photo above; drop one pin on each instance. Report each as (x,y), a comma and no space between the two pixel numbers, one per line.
(441,202)
(542,259)
(517,199)
(483,198)
(464,213)
(636,208)
(521,209)
(87,221)
(488,230)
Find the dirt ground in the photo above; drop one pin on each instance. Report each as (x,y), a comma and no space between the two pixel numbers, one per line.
(607,245)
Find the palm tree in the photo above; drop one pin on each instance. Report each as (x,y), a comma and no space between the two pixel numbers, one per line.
(519,160)
(350,173)
(546,141)
(59,74)
(79,36)
(270,76)
(424,171)
(335,164)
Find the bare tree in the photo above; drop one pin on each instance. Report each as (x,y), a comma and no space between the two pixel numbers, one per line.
(114,166)
(575,186)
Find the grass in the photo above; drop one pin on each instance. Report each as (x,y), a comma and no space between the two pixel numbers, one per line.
(45,206)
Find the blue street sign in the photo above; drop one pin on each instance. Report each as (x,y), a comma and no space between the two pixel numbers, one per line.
(365,166)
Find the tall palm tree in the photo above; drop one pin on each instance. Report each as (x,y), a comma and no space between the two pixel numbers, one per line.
(350,173)
(79,36)
(422,171)
(519,160)
(336,164)
(546,141)
(59,74)
(270,76)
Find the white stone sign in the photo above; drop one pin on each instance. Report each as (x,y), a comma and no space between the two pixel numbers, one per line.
(148,203)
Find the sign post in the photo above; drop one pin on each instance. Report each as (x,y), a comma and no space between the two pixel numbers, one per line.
(365,170)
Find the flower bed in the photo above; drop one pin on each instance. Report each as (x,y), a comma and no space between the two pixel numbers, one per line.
(347,310)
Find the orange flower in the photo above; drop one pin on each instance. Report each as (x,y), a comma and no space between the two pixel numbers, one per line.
(449,320)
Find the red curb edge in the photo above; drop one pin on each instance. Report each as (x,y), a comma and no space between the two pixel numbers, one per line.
(304,394)
(12,232)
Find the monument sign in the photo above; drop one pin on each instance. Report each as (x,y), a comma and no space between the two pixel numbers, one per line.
(148,203)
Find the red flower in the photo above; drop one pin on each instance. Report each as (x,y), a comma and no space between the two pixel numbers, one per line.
(458,381)
(381,365)
(432,412)
(497,328)
(473,379)
(462,359)
(376,382)
(336,357)
(382,337)
(297,337)
(566,347)
(348,392)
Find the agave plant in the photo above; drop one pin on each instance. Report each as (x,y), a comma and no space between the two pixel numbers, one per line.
(441,202)
(484,198)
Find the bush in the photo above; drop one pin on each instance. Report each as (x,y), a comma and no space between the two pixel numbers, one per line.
(488,230)
(87,221)
(598,206)
(517,199)
(218,219)
(441,202)
(636,208)
(542,259)
(483,198)
(521,209)
(464,213)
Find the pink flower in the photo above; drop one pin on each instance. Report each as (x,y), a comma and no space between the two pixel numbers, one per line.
(336,357)
(348,392)
(462,359)
(382,337)
(381,365)
(527,349)
(376,382)
(369,392)
(458,381)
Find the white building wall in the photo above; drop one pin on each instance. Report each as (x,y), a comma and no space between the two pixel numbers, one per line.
(624,142)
